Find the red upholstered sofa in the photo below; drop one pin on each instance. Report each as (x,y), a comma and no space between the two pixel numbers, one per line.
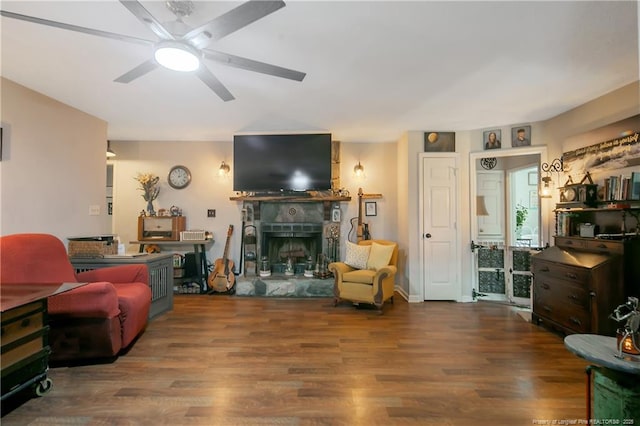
(94,321)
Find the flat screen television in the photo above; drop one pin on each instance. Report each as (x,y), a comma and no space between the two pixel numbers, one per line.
(282,163)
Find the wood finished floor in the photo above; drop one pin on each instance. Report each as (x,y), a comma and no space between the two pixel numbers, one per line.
(223,360)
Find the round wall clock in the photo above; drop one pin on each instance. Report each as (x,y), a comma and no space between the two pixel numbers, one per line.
(179,177)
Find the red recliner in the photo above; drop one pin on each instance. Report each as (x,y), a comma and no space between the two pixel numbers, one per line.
(97,320)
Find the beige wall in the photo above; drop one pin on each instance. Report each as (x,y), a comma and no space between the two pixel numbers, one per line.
(52,168)
(208,191)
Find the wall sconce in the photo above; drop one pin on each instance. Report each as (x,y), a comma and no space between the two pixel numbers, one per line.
(110,153)
(556,166)
(224,170)
(545,191)
(358,170)
(481,207)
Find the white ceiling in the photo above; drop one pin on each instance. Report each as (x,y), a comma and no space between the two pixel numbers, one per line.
(374,69)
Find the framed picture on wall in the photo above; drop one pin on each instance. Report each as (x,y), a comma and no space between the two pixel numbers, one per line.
(335,215)
(492,139)
(370,208)
(521,136)
(439,141)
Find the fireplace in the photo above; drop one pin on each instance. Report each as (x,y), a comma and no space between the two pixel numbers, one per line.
(295,241)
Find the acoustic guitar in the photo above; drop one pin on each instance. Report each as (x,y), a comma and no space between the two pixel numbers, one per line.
(362,231)
(222,278)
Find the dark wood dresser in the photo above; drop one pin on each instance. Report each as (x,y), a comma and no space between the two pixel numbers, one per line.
(580,281)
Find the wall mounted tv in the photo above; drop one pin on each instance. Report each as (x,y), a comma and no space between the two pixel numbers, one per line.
(282,163)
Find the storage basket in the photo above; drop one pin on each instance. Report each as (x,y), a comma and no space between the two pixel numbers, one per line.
(92,248)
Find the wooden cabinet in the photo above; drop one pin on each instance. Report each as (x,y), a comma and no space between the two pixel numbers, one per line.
(580,281)
(575,291)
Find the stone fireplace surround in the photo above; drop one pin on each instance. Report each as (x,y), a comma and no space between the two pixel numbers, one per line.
(289,226)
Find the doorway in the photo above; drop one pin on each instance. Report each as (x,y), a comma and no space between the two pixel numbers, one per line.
(507,225)
(439,215)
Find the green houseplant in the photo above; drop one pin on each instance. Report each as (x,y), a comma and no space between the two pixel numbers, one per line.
(521,216)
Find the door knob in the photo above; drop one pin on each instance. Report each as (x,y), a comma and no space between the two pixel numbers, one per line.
(427,235)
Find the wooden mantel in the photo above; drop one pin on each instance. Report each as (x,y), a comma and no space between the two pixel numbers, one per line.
(327,202)
(291,198)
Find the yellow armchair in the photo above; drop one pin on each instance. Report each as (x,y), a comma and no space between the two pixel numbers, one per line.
(365,285)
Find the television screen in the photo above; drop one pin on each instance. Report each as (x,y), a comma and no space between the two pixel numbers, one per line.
(294,162)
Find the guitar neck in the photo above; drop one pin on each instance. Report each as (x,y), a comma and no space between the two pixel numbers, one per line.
(360,207)
(226,244)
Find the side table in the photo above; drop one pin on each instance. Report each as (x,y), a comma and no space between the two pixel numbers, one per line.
(25,335)
(616,381)
(159,265)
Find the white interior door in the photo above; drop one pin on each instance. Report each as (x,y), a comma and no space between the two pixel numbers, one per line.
(440,239)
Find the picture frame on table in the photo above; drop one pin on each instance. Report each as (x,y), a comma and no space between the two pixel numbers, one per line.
(370,208)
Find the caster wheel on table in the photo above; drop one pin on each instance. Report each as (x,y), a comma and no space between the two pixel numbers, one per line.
(44,386)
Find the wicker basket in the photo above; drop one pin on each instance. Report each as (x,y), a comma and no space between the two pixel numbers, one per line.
(92,248)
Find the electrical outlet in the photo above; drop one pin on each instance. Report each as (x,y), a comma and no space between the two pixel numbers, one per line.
(211,213)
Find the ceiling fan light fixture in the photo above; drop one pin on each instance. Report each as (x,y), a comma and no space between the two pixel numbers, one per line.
(177,56)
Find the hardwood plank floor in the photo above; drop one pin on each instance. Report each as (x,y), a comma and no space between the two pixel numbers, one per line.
(224,360)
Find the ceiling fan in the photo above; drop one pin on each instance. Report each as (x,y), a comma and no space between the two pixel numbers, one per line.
(177,39)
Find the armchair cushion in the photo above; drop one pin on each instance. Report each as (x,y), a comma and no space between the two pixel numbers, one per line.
(94,300)
(356,255)
(379,256)
(364,276)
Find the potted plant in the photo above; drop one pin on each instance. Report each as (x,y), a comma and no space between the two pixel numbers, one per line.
(521,216)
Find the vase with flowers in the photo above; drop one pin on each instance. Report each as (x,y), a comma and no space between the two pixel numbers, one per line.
(150,189)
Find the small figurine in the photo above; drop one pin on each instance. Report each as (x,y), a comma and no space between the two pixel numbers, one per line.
(629,336)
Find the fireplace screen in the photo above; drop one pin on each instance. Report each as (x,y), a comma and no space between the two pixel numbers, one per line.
(295,241)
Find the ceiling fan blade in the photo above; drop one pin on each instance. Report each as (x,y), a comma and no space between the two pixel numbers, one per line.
(251,65)
(75,28)
(232,21)
(139,71)
(214,84)
(147,19)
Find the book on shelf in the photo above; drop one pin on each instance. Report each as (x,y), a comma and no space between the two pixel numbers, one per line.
(634,186)
(622,188)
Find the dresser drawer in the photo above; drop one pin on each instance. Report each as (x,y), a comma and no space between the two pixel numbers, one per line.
(562,293)
(20,326)
(603,246)
(570,273)
(24,347)
(571,242)
(563,302)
